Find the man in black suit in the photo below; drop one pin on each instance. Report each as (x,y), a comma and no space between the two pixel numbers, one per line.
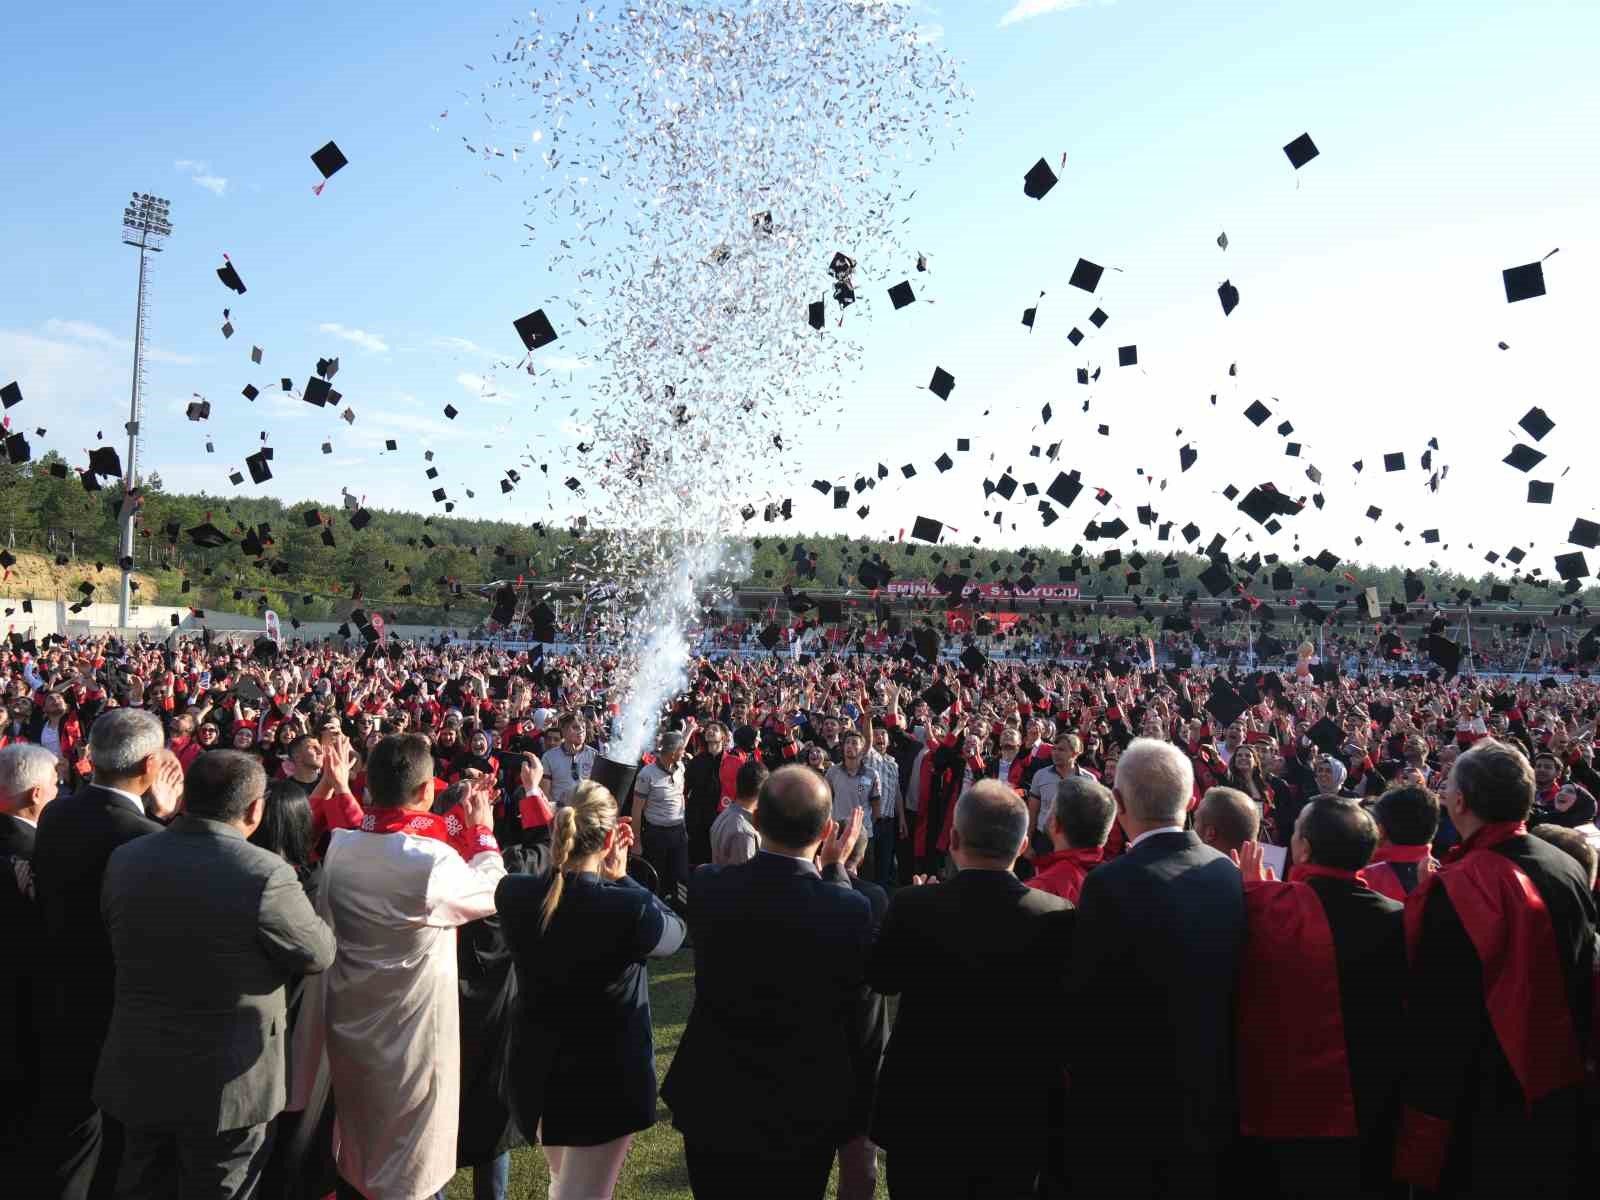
(763,1081)
(963,1121)
(858,1157)
(28,782)
(1320,1013)
(1154,957)
(77,835)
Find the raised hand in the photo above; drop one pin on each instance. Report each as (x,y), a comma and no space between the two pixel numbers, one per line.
(166,790)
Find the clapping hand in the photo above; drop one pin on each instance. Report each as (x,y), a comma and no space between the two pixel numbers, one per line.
(1248,859)
(531,773)
(615,865)
(478,806)
(837,840)
(166,789)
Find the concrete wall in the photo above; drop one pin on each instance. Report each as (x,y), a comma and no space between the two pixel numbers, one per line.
(155,621)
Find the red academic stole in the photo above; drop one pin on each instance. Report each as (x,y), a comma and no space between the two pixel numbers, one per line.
(1381,877)
(1524,990)
(1299,1086)
(451,829)
(1062,872)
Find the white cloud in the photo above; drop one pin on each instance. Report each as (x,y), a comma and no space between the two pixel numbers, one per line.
(200,175)
(473,383)
(84,331)
(459,345)
(367,341)
(563,362)
(481,387)
(1026,10)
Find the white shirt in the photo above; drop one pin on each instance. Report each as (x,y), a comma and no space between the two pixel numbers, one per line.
(50,739)
(1150,833)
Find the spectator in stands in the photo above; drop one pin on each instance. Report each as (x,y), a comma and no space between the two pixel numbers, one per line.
(582,932)
(193,1064)
(1080,823)
(1226,818)
(76,837)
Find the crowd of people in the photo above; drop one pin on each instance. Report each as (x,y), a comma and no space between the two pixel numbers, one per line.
(1297,933)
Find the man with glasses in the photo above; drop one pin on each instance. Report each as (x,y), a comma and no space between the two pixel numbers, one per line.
(570,763)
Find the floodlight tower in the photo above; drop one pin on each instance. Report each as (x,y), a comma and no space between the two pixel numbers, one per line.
(146,223)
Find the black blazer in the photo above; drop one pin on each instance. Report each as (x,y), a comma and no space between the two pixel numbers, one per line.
(1155,956)
(981,943)
(76,836)
(16,837)
(767,1060)
(583,1053)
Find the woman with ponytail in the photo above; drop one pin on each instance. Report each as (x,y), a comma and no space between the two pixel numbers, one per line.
(583,1073)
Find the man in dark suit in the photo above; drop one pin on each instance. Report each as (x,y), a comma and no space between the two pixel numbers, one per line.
(1154,957)
(205,929)
(77,834)
(763,1081)
(28,782)
(1320,1014)
(858,1157)
(969,1122)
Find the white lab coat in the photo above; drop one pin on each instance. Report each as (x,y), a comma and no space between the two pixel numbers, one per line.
(386,1013)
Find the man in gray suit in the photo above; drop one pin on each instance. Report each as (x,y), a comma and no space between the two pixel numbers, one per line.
(206,929)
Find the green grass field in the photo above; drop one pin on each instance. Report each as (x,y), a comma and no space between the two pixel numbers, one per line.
(654,1170)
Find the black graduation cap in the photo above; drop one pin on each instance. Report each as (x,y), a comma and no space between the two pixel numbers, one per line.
(1540,492)
(901,294)
(1113,528)
(10,395)
(973,660)
(1038,181)
(329,160)
(1327,560)
(1216,579)
(1065,488)
(1325,735)
(1572,566)
(1086,275)
(230,277)
(814,314)
(1523,283)
(317,391)
(944,462)
(1127,356)
(535,329)
(928,642)
(360,519)
(1584,533)
(1301,151)
(841,497)
(1394,462)
(926,529)
(1229,295)
(198,410)
(208,536)
(17,449)
(1190,532)
(1499,592)
(259,470)
(1523,458)
(1098,318)
(1443,651)
(1257,413)
(1225,703)
(1007,487)
(909,470)
(1282,579)
(1075,335)
(250,392)
(1536,423)
(103,460)
(1186,457)
(942,383)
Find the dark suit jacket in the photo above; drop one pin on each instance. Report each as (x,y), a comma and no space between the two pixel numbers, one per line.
(981,943)
(1154,961)
(766,1062)
(206,930)
(583,1058)
(76,837)
(16,837)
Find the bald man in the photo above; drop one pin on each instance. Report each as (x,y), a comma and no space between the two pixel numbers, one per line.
(1226,819)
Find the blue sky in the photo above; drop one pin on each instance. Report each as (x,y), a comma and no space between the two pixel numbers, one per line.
(1456,139)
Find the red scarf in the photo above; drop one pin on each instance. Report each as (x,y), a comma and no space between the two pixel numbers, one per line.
(1403,854)
(1300,872)
(1296,1086)
(1062,872)
(451,828)
(1510,928)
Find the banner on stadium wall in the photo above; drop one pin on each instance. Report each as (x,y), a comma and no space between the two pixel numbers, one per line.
(958,621)
(986,591)
(1003,621)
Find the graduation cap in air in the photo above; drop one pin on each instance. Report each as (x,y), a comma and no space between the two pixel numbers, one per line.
(260,472)
(973,660)
(1523,458)
(1394,462)
(944,462)
(360,519)
(1028,314)
(1325,735)
(1086,275)
(329,160)
(1584,533)
(1065,488)
(11,395)
(1187,455)
(1257,413)
(17,449)
(942,384)
(1443,651)
(1536,423)
(926,529)
(198,410)
(814,314)
(230,277)
(1540,492)
(1216,579)
(535,329)
(1225,703)
(1038,181)
(103,460)
(208,536)
(1523,283)
(1127,356)
(1229,295)
(1301,151)
(1572,566)
(901,294)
